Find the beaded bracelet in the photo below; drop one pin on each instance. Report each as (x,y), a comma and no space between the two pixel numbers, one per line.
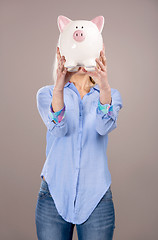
(105,109)
(57,116)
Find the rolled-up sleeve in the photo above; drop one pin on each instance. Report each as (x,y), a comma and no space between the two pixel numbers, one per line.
(56,122)
(107,114)
(57,117)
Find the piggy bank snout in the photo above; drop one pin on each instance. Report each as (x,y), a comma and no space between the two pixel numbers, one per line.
(79,35)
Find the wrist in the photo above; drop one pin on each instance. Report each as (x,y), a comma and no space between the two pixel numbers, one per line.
(57,90)
(105,96)
(106,89)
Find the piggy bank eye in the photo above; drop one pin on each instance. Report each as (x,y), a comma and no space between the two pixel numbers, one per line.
(76,27)
(82,26)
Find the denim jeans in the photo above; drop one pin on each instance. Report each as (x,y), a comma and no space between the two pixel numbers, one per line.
(51,226)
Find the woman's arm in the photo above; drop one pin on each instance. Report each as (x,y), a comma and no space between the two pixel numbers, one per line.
(107,115)
(57,112)
(57,100)
(105,96)
(55,122)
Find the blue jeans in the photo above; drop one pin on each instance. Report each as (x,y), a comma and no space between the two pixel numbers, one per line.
(51,226)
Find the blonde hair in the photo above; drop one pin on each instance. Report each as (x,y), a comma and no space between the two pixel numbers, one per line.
(54,69)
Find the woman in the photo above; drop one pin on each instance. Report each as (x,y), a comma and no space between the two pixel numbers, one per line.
(79,111)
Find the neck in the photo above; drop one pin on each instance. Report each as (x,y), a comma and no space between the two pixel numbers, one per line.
(81,82)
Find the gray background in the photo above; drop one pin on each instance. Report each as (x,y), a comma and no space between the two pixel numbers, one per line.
(28,38)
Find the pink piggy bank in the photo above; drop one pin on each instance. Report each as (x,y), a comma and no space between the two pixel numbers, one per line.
(80,42)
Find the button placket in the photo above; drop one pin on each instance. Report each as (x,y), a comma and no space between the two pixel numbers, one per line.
(79,148)
(80,125)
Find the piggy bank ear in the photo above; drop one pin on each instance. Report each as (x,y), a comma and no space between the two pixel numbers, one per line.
(62,22)
(99,22)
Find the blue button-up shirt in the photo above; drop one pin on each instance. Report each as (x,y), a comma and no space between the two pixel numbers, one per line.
(76,168)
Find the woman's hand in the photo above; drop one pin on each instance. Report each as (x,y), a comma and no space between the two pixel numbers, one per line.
(100,73)
(61,72)
(63,76)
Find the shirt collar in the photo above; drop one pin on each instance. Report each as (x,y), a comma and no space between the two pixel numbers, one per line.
(67,84)
(95,87)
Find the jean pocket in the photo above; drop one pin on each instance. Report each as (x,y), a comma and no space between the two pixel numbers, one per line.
(44,191)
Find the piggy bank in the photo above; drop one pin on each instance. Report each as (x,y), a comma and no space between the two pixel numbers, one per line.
(80,41)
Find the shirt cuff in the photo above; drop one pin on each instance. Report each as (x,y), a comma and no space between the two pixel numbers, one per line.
(105,108)
(57,117)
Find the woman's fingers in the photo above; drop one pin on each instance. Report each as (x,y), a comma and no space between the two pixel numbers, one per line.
(61,61)
(103,48)
(102,55)
(100,58)
(103,68)
(103,58)
(60,64)
(61,68)
(58,54)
